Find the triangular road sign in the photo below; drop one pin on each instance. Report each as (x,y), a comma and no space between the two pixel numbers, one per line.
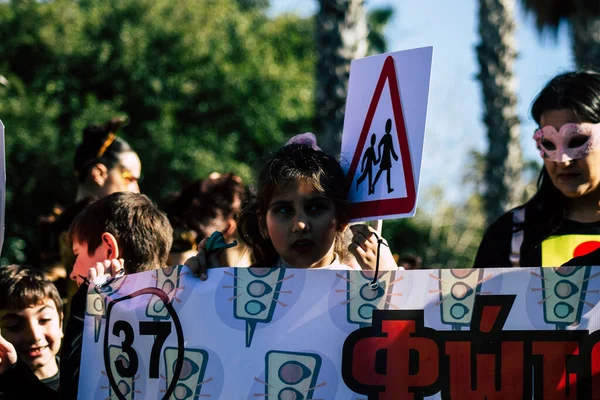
(381,151)
(390,206)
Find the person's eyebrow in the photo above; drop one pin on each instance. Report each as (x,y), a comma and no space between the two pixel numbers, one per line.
(318,196)
(279,203)
(42,309)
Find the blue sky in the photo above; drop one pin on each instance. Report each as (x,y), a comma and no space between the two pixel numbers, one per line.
(455,109)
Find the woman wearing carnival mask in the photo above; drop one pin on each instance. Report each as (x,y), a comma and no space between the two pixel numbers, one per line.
(562,220)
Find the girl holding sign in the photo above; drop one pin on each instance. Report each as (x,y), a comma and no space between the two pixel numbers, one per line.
(299,216)
(562,220)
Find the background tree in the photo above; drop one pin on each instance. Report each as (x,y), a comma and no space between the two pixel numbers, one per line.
(496,54)
(206,85)
(583,19)
(341,36)
(377,20)
(443,234)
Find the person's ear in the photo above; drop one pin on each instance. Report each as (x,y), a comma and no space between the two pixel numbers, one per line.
(99,174)
(230,227)
(112,247)
(262,226)
(341,227)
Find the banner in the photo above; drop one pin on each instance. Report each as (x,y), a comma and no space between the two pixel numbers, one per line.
(301,334)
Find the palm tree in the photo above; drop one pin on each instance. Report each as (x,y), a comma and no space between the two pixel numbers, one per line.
(377,20)
(341,33)
(496,54)
(583,17)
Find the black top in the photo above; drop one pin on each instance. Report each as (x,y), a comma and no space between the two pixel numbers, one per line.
(54,380)
(576,239)
(19,383)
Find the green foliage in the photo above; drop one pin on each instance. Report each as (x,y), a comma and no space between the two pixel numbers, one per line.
(377,20)
(207,86)
(445,235)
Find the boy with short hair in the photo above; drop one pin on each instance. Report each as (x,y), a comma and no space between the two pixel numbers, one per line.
(31,320)
(125,226)
(120,231)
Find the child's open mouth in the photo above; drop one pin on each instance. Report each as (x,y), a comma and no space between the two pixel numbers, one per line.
(36,351)
(303,246)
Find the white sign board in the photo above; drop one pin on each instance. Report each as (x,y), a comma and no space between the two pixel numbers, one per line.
(274,333)
(384,129)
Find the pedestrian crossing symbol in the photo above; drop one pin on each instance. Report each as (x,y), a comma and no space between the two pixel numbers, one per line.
(383,136)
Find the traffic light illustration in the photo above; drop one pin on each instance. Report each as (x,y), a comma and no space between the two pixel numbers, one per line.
(457,291)
(362,298)
(95,305)
(125,386)
(190,381)
(256,295)
(167,279)
(291,375)
(563,294)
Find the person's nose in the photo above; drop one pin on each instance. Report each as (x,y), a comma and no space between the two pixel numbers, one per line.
(564,163)
(33,333)
(301,223)
(564,159)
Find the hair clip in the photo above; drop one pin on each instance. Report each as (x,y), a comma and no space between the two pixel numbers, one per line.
(216,241)
(111,138)
(306,139)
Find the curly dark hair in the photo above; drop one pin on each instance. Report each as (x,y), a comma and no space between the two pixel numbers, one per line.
(196,211)
(290,164)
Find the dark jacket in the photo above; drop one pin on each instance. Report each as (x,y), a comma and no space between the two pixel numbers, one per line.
(495,247)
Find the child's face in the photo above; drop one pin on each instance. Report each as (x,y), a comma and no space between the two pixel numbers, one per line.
(302,225)
(36,333)
(84,261)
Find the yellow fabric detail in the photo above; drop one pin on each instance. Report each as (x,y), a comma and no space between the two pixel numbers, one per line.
(557,250)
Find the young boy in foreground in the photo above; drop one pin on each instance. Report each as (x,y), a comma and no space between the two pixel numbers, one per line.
(31,320)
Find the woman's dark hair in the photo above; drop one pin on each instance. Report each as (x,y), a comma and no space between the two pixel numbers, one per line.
(204,204)
(292,163)
(576,91)
(100,145)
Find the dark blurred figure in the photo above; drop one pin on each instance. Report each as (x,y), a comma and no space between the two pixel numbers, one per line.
(206,206)
(104,164)
(410,262)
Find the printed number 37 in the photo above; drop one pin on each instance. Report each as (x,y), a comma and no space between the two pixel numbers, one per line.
(160,330)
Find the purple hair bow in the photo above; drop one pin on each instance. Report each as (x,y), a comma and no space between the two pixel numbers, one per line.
(307,139)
